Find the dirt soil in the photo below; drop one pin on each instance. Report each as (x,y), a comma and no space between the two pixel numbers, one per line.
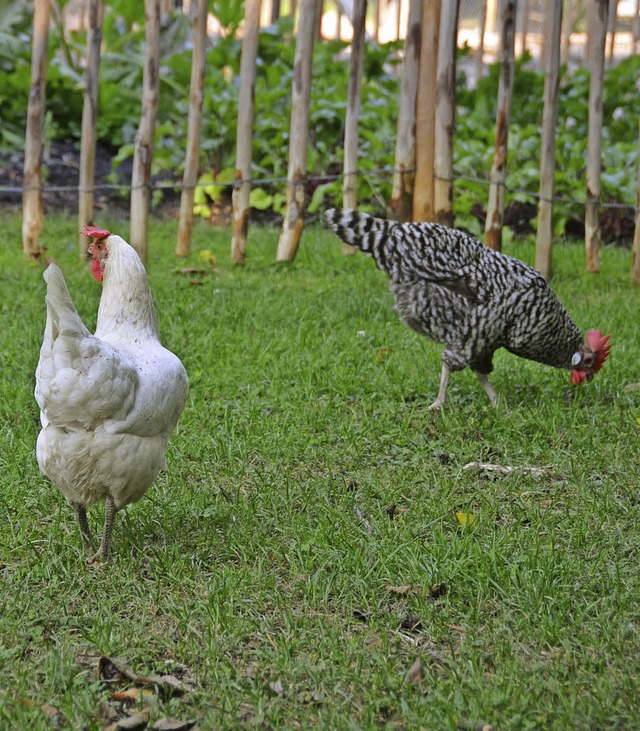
(61,168)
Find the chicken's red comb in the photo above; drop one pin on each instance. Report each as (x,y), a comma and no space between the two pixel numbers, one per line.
(600,346)
(95,233)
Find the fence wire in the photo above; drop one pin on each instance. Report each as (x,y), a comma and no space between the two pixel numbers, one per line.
(384,173)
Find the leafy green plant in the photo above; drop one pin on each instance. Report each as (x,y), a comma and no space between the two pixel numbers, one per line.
(119,112)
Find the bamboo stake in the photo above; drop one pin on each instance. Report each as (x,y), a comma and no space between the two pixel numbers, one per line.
(32,176)
(479,60)
(89,116)
(423,193)
(525,24)
(445,112)
(299,131)
(597,33)
(498,175)
(405,157)
(143,155)
(613,17)
(568,30)
(544,235)
(350,180)
(194,125)
(319,16)
(242,190)
(635,252)
(377,20)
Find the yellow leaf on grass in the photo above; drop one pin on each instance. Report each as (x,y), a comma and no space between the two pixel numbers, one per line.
(465,518)
(207,256)
(638,420)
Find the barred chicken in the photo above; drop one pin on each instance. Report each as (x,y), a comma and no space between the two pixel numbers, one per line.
(108,402)
(471,299)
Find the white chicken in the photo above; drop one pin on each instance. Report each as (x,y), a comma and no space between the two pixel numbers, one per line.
(108,402)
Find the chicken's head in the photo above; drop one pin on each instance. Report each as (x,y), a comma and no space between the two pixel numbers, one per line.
(590,358)
(97,249)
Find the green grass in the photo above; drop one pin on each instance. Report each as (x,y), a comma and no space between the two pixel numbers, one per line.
(257,568)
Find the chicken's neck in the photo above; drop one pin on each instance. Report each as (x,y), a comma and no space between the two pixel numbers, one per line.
(126,312)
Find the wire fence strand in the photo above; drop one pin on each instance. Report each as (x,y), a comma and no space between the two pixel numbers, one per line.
(387,172)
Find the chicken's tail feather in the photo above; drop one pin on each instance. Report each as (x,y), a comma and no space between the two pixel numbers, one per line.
(361,230)
(62,318)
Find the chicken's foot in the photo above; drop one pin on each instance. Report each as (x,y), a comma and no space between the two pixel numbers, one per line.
(102,554)
(442,391)
(488,388)
(87,538)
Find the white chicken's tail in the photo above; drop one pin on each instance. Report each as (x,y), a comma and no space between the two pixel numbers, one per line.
(62,318)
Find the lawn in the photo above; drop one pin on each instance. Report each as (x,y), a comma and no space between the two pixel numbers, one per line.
(317,555)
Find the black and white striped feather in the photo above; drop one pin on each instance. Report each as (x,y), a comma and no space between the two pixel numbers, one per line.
(460,293)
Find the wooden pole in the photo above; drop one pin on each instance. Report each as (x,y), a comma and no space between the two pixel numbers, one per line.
(525,24)
(445,113)
(405,157)
(242,187)
(350,179)
(377,20)
(423,194)
(482,22)
(635,252)
(298,133)
(194,125)
(597,33)
(567,32)
(613,17)
(32,173)
(498,175)
(319,16)
(544,235)
(143,154)
(89,116)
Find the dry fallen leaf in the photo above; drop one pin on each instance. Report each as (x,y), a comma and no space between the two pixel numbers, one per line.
(434,591)
(133,695)
(382,352)
(465,723)
(172,724)
(508,469)
(249,671)
(277,687)
(136,722)
(414,673)
(404,589)
(192,270)
(48,710)
(117,669)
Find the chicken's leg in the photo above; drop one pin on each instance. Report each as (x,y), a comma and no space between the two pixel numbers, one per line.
(102,554)
(87,538)
(488,388)
(442,391)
